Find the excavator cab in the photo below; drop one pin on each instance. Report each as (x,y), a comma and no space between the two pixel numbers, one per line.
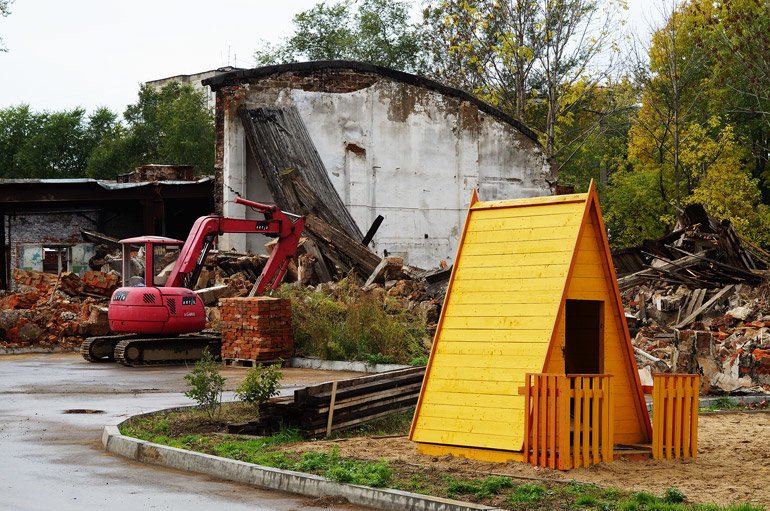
(143,304)
(159,255)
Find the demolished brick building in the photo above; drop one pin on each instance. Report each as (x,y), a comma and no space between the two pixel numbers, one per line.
(391,143)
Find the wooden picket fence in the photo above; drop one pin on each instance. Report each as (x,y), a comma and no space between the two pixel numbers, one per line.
(675,415)
(568,420)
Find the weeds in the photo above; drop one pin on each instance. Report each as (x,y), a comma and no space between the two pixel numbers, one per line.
(723,403)
(481,489)
(527,494)
(345,470)
(586,501)
(278,451)
(346,323)
(673,496)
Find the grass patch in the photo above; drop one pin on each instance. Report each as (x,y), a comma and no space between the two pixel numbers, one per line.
(527,494)
(394,424)
(192,430)
(721,404)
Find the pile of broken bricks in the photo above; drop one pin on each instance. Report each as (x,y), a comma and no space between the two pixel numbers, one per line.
(727,343)
(53,312)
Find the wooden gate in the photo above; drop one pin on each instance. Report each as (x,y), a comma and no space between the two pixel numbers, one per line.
(675,415)
(568,420)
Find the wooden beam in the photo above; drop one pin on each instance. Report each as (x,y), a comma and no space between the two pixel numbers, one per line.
(689,319)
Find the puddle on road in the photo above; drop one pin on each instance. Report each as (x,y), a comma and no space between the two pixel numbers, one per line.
(82,410)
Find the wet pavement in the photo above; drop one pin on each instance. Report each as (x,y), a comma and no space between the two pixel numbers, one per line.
(54,460)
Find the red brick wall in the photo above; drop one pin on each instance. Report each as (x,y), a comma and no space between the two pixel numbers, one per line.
(256,328)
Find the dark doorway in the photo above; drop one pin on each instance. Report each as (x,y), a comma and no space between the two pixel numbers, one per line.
(584,337)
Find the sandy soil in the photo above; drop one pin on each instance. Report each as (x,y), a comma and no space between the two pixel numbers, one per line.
(732,464)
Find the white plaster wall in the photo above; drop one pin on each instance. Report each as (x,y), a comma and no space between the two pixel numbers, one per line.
(242,179)
(418,168)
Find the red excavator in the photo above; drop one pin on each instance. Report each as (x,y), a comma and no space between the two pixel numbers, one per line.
(150,312)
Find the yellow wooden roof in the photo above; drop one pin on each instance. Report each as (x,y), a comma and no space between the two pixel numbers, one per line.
(499,314)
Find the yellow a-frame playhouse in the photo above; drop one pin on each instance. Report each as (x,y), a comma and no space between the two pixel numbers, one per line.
(531,310)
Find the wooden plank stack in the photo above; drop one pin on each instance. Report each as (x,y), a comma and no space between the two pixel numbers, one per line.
(355,401)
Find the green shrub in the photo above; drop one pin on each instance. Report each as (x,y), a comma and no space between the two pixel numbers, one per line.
(643,498)
(673,496)
(723,403)
(261,383)
(206,384)
(330,464)
(629,505)
(482,489)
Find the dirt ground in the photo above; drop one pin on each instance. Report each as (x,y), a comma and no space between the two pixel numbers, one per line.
(732,464)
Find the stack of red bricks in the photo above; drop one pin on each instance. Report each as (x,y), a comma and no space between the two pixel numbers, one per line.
(257,329)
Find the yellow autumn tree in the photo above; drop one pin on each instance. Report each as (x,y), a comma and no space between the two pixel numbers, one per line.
(720,165)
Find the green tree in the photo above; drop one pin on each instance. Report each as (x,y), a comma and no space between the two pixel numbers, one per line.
(171,126)
(675,88)
(725,185)
(594,136)
(537,60)
(49,144)
(374,31)
(16,125)
(4,11)
(735,34)
(633,209)
(488,47)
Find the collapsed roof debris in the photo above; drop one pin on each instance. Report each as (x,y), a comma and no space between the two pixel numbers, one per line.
(700,252)
(696,303)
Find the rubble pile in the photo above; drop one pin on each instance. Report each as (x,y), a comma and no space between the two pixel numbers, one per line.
(698,301)
(54,312)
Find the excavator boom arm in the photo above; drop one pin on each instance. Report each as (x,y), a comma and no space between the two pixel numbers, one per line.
(276,224)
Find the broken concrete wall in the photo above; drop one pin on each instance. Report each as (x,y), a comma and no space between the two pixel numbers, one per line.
(396,146)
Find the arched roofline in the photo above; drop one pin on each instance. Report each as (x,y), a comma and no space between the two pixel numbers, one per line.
(245,75)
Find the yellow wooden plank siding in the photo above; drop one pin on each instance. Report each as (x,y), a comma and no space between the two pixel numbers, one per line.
(499,313)
(589,281)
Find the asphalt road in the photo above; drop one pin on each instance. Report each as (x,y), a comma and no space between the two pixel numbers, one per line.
(53,460)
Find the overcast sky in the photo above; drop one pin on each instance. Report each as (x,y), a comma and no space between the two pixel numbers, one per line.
(90,53)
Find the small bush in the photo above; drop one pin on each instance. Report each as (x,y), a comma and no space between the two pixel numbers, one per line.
(261,383)
(206,384)
(643,498)
(674,496)
(629,505)
(527,493)
(330,464)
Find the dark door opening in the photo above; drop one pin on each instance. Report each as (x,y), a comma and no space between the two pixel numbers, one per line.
(584,337)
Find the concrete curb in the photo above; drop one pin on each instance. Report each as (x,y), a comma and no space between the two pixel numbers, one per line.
(22,351)
(266,477)
(706,402)
(343,365)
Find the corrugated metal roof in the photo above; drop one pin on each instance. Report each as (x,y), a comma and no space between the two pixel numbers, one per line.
(107,185)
